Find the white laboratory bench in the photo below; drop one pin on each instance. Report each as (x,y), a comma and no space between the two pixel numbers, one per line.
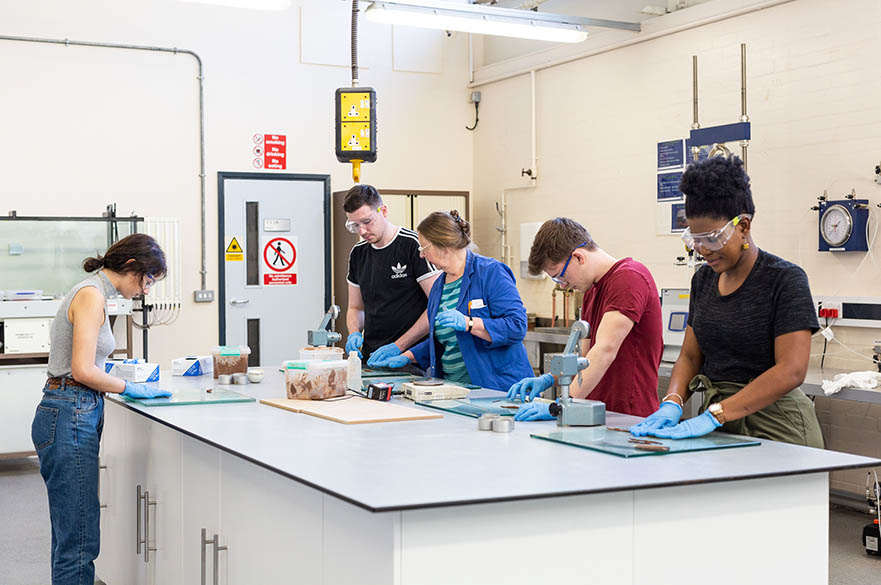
(298,499)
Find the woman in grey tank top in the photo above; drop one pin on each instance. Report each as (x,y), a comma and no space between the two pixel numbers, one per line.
(67,426)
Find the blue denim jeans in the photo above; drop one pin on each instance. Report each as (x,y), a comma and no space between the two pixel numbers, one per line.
(66,432)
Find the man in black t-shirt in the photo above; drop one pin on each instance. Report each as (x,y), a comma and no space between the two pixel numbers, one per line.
(388,281)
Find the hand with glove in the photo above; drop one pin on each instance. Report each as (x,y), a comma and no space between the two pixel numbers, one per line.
(399,361)
(666,416)
(354,342)
(528,388)
(133,390)
(693,427)
(380,357)
(452,319)
(534,411)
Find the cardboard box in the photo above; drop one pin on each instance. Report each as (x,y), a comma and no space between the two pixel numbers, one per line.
(197,365)
(142,372)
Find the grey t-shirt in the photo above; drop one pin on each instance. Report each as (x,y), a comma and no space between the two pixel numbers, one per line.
(61,333)
(736,332)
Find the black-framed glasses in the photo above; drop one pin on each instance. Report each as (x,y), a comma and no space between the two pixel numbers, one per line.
(559,278)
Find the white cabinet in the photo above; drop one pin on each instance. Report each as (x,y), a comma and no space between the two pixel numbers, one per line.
(272,526)
(21,389)
(200,509)
(141,486)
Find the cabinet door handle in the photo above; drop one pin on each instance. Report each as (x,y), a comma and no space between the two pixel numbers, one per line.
(206,542)
(217,549)
(147,547)
(100,467)
(138,522)
(239,301)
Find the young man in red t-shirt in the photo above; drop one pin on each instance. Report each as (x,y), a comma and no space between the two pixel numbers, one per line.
(622,306)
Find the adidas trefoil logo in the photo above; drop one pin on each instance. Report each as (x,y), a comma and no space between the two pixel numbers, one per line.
(399,271)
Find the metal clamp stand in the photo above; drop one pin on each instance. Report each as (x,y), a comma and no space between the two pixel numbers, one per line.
(325,335)
(574,411)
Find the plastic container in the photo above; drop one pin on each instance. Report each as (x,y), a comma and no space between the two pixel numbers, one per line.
(230,359)
(353,381)
(321,352)
(315,380)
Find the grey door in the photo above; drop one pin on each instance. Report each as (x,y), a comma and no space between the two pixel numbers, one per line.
(274,261)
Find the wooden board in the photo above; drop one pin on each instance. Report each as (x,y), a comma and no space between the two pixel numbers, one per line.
(352,411)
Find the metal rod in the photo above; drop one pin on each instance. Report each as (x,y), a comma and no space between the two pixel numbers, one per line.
(71,218)
(205,541)
(355,74)
(100,467)
(743,116)
(138,520)
(67,42)
(695,125)
(217,549)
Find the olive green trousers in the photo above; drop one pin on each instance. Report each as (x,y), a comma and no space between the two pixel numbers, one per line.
(791,419)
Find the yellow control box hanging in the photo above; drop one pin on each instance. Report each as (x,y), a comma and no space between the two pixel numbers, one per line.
(356,127)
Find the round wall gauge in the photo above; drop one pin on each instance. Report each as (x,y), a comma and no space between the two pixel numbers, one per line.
(836,225)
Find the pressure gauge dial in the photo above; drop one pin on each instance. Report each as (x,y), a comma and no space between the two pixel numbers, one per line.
(836,225)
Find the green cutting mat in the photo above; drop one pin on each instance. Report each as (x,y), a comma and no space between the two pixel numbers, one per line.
(616,442)
(473,407)
(193,396)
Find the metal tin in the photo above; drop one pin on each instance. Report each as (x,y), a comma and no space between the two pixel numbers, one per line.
(224,379)
(503,425)
(240,378)
(485,422)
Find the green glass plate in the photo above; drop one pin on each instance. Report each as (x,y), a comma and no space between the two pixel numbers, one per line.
(616,442)
(193,396)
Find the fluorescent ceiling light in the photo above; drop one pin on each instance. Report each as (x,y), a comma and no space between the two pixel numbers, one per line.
(506,22)
(252,4)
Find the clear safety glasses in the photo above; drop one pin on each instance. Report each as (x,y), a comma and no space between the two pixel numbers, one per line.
(559,278)
(354,226)
(714,240)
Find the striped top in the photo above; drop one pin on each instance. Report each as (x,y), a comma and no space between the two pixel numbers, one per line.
(451,360)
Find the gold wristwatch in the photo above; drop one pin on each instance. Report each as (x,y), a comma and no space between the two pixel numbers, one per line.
(717,412)
(470,324)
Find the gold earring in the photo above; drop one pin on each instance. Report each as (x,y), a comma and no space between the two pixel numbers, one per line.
(744,246)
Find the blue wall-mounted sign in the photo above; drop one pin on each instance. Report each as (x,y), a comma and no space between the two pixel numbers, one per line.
(668,185)
(671,153)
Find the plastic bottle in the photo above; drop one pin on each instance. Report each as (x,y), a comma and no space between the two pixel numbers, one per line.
(353,379)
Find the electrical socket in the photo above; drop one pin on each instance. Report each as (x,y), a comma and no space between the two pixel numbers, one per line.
(475,97)
(203,296)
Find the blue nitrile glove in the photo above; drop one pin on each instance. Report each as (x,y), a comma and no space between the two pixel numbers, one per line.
(133,390)
(534,411)
(529,388)
(666,416)
(398,361)
(380,357)
(452,319)
(693,427)
(354,342)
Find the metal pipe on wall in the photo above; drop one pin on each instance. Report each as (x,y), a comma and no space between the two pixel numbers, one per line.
(67,42)
(743,117)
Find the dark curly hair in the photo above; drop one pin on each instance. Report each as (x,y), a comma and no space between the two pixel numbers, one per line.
(717,187)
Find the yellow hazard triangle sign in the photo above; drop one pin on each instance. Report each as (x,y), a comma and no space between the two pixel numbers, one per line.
(234,252)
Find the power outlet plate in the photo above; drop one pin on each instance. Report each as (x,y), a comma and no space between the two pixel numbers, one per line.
(203,296)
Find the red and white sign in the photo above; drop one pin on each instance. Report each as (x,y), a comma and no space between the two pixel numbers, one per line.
(275,155)
(280,262)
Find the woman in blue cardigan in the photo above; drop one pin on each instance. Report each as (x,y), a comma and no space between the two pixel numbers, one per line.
(477,321)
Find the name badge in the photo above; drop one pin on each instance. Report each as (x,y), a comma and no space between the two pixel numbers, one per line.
(476,304)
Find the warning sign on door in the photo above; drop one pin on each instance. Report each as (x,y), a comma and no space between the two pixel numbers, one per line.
(280,262)
(234,252)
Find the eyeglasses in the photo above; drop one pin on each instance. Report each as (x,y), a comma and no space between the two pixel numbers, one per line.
(559,278)
(354,226)
(714,240)
(425,247)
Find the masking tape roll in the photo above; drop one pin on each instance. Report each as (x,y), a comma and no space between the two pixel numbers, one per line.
(503,425)
(485,422)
